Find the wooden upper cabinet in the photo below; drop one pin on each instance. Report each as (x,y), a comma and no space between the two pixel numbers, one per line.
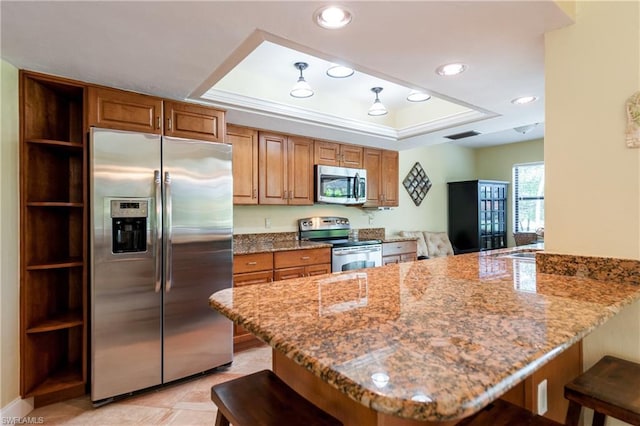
(190,121)
(389,183)
(382,177)
(300,171)
(335,154)
(372,160)
(285,167)
(118,109)
(272,168)
(245,164)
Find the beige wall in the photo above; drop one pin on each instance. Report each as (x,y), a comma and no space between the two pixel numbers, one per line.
(9,246)
(592,180)
(442,163)
(496,163)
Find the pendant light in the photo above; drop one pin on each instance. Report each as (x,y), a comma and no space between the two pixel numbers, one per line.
(377,108)
(301,89)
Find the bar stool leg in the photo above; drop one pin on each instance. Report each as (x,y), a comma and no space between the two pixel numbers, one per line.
(221,420)
(573,414)
(598,419)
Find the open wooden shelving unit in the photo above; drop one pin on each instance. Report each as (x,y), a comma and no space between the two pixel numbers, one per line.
(53,238)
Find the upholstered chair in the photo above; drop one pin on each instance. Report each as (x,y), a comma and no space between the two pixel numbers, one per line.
(438,244)
(430,244)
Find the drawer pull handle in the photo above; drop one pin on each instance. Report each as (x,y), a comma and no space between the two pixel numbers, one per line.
(252,263)
(305,258)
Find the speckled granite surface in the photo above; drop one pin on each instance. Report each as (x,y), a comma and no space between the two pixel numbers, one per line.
(277,241)
(281,241)
(599,268)
(427,340)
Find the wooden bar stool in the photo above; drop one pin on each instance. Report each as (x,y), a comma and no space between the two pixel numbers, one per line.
(263,399)
(611,388)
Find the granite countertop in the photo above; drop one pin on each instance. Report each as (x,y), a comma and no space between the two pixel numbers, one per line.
(443,337)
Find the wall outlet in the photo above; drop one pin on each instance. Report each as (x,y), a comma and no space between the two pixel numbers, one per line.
(542,397)
(267,222)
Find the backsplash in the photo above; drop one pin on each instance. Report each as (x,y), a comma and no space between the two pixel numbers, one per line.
(271,237)
(371,234)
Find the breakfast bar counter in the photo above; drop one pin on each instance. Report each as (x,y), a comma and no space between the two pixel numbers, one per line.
(427,341)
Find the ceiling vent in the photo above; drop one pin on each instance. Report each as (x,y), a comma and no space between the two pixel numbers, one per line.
(462,135)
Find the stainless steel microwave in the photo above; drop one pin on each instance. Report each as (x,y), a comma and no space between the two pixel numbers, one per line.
(340,185)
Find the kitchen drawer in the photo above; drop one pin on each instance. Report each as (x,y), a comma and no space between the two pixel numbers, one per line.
(289,259)
(254,262)
(400,247)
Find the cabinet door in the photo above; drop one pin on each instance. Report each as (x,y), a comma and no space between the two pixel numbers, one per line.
(251,278)
(191,121)
(300,171)
(387,260)
(289,273)
(324,268)
(326,153)
(372,165)
(245,164)
(389,178)
(351,156)
(117,109)
(272,168)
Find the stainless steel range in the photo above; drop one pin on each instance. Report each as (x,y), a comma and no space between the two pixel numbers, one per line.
(348,253)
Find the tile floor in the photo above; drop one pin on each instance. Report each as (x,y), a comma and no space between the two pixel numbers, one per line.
(186,403)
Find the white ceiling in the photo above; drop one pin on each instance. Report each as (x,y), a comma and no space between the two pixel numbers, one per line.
(179,50)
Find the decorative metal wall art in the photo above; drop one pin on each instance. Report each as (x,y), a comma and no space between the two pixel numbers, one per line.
(417,183)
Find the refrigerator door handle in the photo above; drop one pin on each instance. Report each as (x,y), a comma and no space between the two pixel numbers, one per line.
(158,245)
(168,232)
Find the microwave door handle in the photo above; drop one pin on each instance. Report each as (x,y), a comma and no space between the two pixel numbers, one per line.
(356,184)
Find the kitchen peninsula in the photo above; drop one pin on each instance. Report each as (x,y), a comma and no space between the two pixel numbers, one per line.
(429,341)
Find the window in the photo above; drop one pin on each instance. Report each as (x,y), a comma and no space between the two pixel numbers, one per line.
(528,195)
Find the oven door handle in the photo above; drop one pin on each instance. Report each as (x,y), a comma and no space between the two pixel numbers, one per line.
(348,251)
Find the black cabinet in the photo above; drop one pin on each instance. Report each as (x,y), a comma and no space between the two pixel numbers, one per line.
(478,215)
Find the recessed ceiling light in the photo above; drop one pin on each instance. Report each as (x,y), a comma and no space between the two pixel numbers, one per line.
(339,71)
(451,69)
(418,96)
(522,100)
(332,17)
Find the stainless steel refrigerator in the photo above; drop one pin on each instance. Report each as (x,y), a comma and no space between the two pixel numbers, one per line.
(161,244)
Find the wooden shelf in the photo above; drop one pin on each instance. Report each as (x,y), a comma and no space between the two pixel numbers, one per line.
(54,204)
(53,238)
(66,320)
(56,143)
(60,380)
(67,263)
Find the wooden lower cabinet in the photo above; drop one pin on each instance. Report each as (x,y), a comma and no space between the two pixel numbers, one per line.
(261,268)
(397,252)
(249,269)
